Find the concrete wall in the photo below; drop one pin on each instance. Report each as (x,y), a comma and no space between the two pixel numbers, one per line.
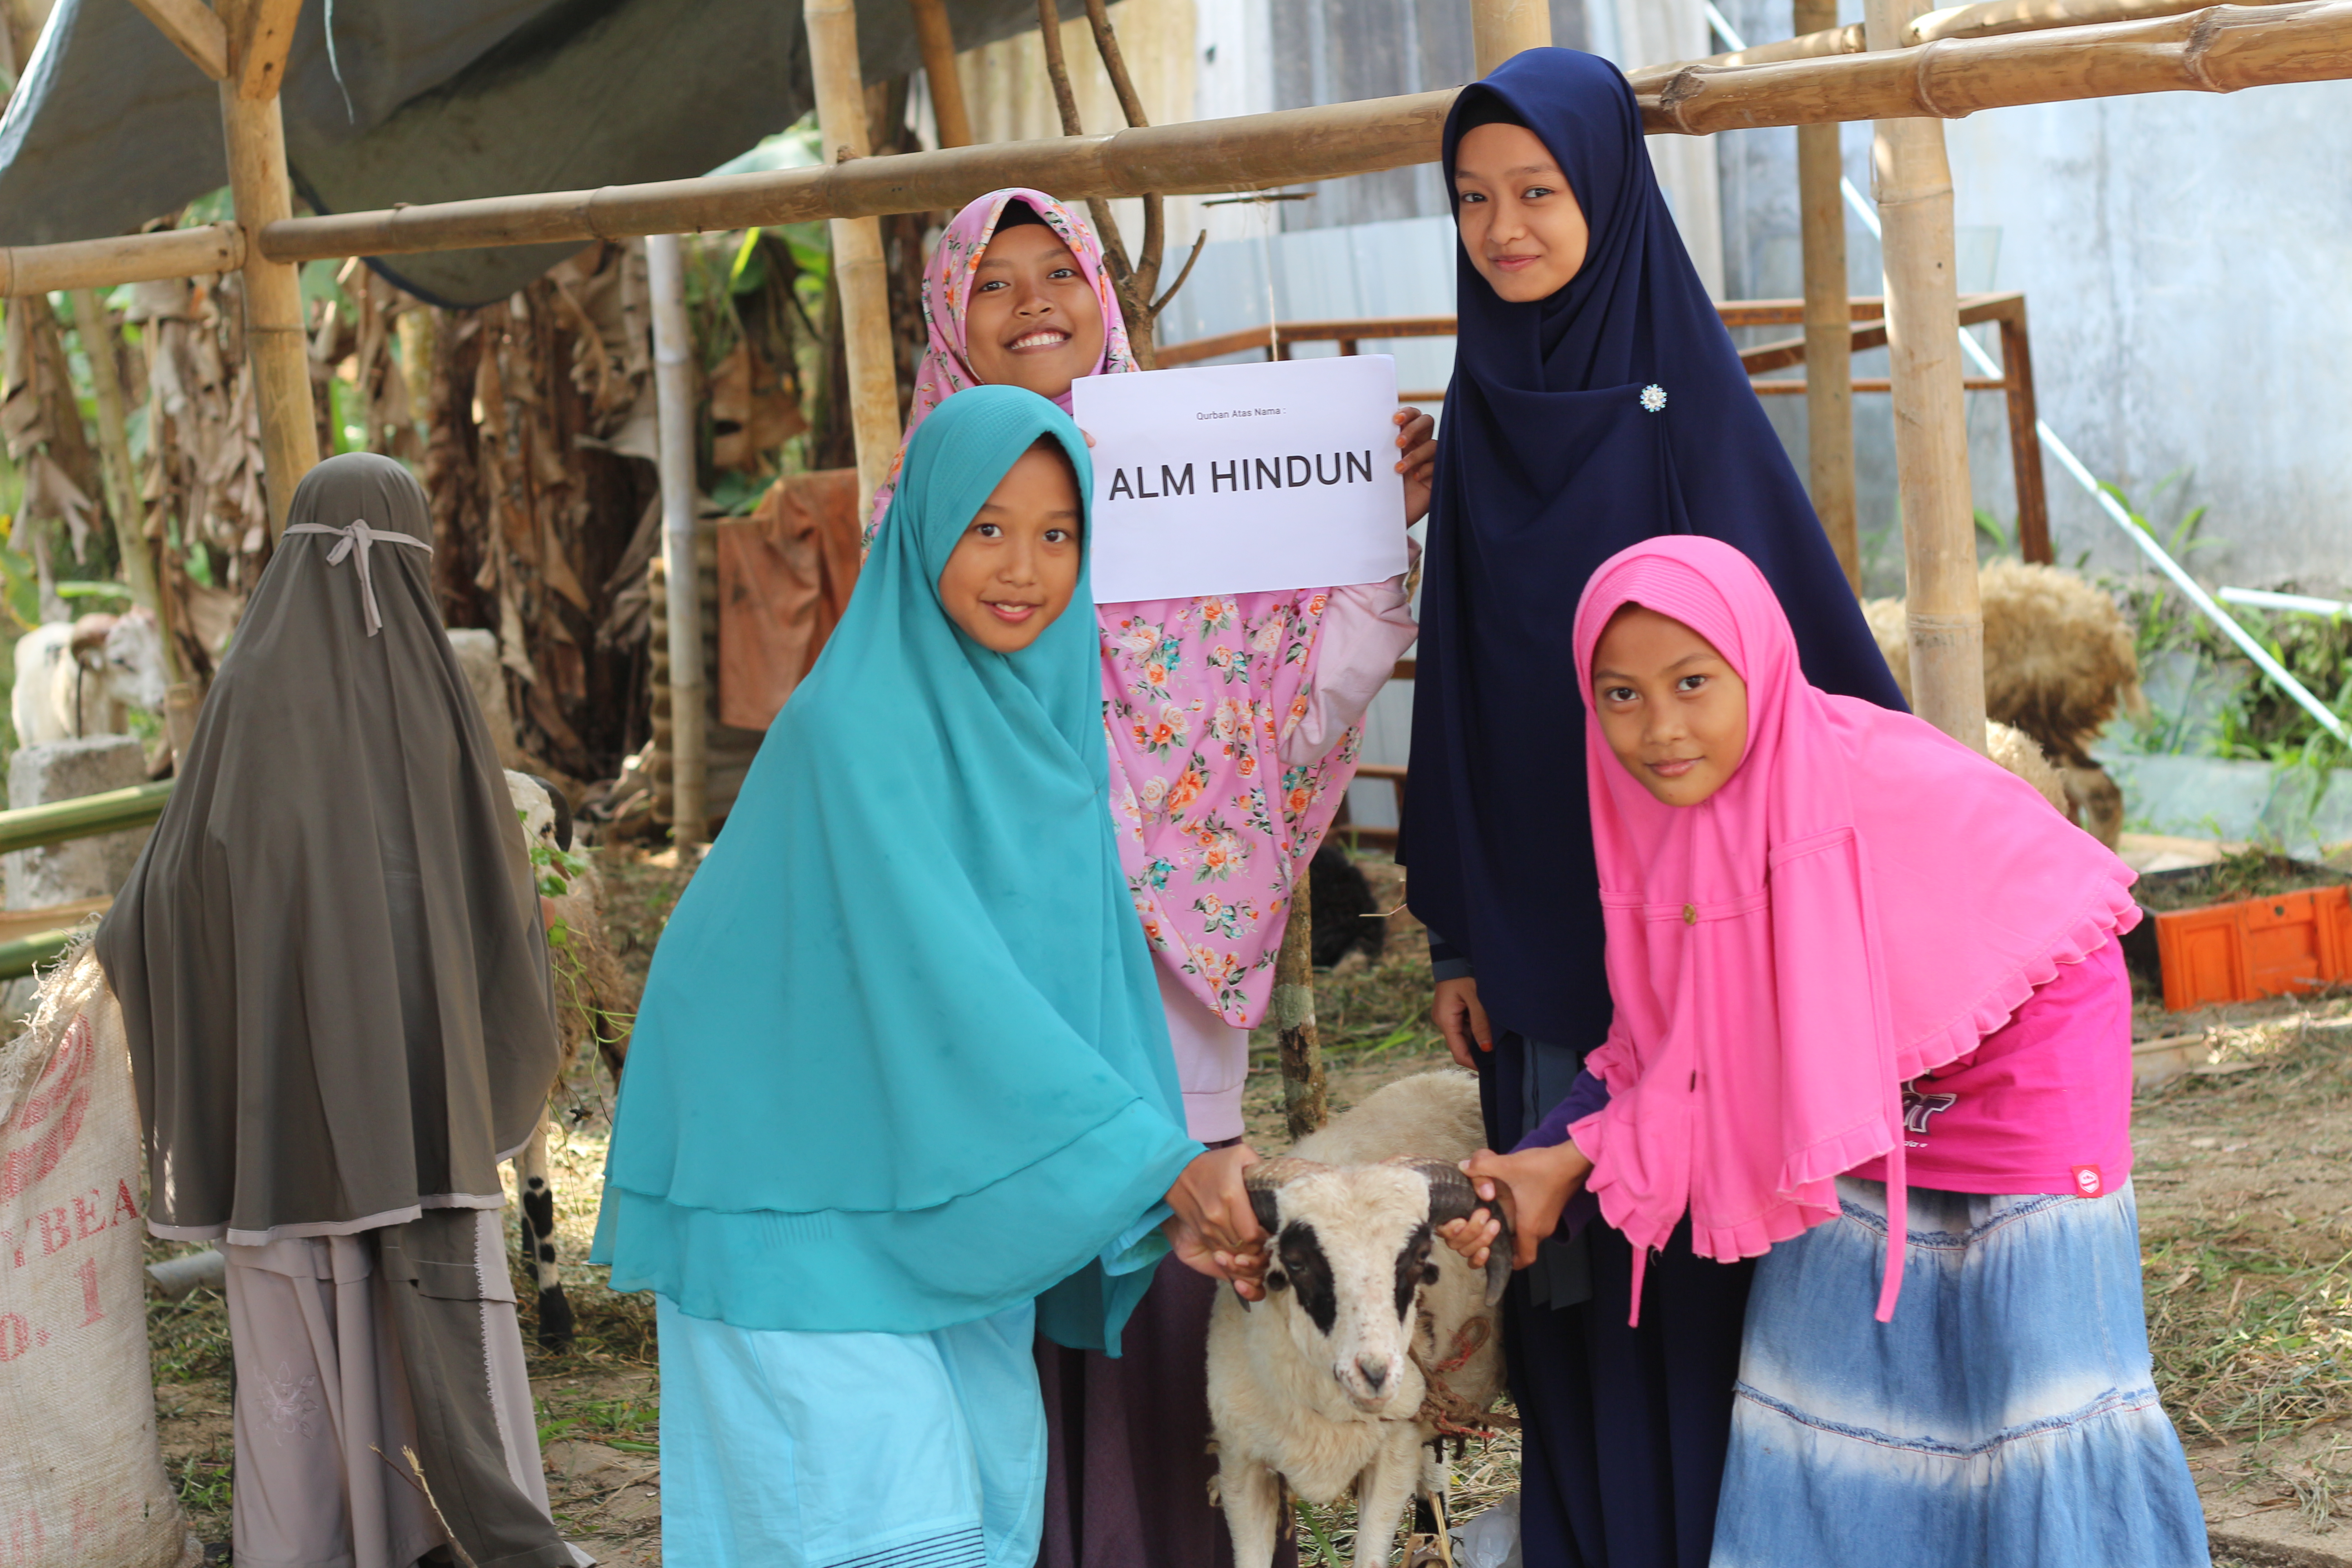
(2183,258)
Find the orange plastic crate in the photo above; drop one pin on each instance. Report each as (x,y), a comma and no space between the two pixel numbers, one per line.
(2256,947)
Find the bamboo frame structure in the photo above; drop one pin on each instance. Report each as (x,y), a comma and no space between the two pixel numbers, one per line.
(1829,357)
(859,270)
(936,37)
(673,418)
(127,259)
(263,193)
(2221,49)
(193,30)
(1914,187)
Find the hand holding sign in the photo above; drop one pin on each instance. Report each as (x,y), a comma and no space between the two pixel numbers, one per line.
(1243,478)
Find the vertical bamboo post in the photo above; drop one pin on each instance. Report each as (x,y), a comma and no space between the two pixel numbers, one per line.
(673,419)
(96,328)
(936,39)
(1501,28)
(859,269)
(275,348)
(1829,329)
(1913,184)
(1292,1014)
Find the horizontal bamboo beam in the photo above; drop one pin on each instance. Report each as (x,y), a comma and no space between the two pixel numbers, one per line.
(1243,153)
(84,816)
(125,258)
(21,957)
(193,30)
(1989,19)
(2222,49)
(2219,50)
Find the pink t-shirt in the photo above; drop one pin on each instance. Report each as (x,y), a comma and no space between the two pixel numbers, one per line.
(2042,1106)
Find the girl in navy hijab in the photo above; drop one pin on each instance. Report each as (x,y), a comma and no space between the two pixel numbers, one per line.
(1597,402)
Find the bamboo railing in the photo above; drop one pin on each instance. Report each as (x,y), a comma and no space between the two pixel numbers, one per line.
(85,816)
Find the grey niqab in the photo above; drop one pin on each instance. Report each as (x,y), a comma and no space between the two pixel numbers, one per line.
(329,957)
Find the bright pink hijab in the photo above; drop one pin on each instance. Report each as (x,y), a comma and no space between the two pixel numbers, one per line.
(1865,900)
(1199,694)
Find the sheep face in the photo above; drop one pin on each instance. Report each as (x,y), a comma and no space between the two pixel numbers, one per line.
(132,655)
(1351,1255)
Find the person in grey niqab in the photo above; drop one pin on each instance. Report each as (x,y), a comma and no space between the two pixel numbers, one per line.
(336,990)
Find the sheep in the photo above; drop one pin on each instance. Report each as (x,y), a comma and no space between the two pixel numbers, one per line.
(2015,750)
(1374,1340)
(588,987)
(2059,660)
(75,679)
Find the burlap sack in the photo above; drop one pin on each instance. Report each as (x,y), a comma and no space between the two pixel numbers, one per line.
(81,1477)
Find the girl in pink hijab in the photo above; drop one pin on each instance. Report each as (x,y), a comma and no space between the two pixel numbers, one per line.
(1234,728)
(1867,984)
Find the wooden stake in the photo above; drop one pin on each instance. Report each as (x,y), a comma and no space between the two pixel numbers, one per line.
(194,31)
(1501,28)
(1914,187)
(255,134)
(859,270)
(96,328)
(674,414)
(938,41)
(1292,1013)
(1829,362)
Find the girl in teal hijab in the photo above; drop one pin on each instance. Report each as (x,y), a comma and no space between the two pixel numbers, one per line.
(901,1086)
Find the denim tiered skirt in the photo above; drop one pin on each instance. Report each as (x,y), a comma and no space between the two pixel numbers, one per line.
(2007,1415)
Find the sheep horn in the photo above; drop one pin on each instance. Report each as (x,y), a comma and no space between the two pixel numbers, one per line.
(1452,1196)
(1262,1179)
(562,805)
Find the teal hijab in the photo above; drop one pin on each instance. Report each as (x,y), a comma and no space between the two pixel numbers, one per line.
(901,1062)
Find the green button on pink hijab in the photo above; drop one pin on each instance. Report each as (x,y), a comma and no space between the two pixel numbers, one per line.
(1863,901)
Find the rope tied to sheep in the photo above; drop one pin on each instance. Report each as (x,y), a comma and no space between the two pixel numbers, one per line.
(363,538)
(1450,1414)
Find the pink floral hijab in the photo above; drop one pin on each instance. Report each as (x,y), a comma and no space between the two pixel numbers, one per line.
(1863,901)
(1198,697)
(947,290)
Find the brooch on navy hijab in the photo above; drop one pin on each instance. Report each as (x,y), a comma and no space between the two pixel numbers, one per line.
(1653,397)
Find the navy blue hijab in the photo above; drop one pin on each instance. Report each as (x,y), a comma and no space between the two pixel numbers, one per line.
(1556,454)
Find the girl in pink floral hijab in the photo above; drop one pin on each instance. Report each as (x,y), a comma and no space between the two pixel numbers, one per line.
(1234,727)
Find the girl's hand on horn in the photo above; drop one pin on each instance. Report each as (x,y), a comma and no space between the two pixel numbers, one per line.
(1214,1230)
(1417,440)
(1531,1186)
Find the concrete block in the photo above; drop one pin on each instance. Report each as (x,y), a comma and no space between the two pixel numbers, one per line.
(477,652)
(80,867)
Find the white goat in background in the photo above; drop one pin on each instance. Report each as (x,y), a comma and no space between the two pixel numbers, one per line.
(75,678)
(1374,1340)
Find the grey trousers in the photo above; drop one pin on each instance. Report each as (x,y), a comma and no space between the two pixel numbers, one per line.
(351,1350)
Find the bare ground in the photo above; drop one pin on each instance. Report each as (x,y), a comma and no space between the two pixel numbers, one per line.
(2244,1178)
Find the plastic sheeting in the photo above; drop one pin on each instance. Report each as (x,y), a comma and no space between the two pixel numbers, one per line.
(430,101)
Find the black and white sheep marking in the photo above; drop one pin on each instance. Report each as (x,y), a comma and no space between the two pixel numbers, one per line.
(1374,1339)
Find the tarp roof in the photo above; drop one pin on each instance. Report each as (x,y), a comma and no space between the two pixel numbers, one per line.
(430,101)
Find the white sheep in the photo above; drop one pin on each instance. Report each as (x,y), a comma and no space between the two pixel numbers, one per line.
(77,677)
(1373,1340)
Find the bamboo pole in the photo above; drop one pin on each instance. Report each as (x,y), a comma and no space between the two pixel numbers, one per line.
(1988,19)
(858,267)
(255,134)
(84,816)
(674,413)
(193,30)
(96,328)
(1914,187)
(1292,1013)
(1829,357)
(1501,28)
(126,258)
(936,39)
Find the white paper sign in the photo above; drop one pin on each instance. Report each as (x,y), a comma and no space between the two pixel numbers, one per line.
(1243,478)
